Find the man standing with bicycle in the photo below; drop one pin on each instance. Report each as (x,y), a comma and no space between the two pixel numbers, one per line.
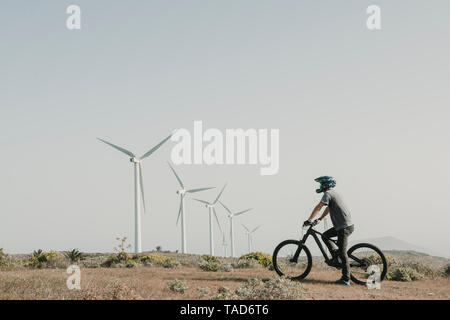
(342,224)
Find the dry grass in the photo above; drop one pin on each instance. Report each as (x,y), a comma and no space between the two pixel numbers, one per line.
(151,283)
(150,280)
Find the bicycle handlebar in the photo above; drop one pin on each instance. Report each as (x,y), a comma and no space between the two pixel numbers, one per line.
(312,224)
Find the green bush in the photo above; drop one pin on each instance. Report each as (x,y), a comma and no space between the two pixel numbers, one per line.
(263,259)
(177,285)
(74,255)
(209,266)
(423,269)
(3,258)
(210,258)
(404,274)
(40,259)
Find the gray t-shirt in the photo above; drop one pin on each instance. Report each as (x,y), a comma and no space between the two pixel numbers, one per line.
(340,215)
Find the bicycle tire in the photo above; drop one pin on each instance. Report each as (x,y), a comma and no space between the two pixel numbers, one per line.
(275,259)
(378,251)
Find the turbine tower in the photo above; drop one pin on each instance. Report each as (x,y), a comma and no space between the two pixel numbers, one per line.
(249,237)
(138,187)
(224,245)
(211,211)
(182,192)
(231,215)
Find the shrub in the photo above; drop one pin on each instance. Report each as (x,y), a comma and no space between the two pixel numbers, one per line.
(210,258)
(204,292)
(245,263)
(158,260)
(117,260)
(171,263)
(255,289)
(40,259)
(423,269)
(74,255)
(263,259)
(404,274)
(226,267)
(223,293)
(113,291)
(3,258)
(209,266)
(411,271)
(376,259)
(177,285)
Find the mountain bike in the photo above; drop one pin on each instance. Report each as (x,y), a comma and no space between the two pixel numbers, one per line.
(292,259)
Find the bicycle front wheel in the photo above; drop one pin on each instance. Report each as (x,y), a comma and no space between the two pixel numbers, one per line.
(362,256)
(284,263)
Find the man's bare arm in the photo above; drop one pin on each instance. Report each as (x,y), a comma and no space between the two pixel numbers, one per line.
(316,211)
(324,214)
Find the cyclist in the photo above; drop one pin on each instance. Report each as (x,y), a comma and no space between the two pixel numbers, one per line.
(342,224)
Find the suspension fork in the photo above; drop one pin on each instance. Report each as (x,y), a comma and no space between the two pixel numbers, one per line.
(299,249)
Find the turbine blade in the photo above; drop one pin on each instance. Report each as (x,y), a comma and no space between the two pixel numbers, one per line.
(246,228)
(198,190)
(217,199)
(141,182)
(242,212)
(176,175)
(229,211)
(131,154)
(255,229)
(202,201)
(217,220)
(148,153)
(181,208)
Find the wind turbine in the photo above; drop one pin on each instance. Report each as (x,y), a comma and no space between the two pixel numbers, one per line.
(211,211)
(224,245)
(249,237)
(138,187)
(182,192)
(231,215)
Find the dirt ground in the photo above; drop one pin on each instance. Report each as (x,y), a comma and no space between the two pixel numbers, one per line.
(151,283)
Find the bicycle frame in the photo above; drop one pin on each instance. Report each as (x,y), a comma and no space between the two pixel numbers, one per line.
(314,234)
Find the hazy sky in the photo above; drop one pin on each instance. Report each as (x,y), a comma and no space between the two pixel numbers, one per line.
(368,107)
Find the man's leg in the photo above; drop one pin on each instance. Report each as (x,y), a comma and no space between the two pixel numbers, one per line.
(330,244)
(342,243)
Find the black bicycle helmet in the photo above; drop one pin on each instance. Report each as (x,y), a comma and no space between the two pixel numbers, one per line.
(325,183)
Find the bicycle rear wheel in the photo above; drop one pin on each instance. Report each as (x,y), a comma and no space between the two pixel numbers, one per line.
(283,263)
(363,255)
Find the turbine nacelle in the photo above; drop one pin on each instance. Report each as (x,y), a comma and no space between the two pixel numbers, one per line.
(181,192)
(135,160)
